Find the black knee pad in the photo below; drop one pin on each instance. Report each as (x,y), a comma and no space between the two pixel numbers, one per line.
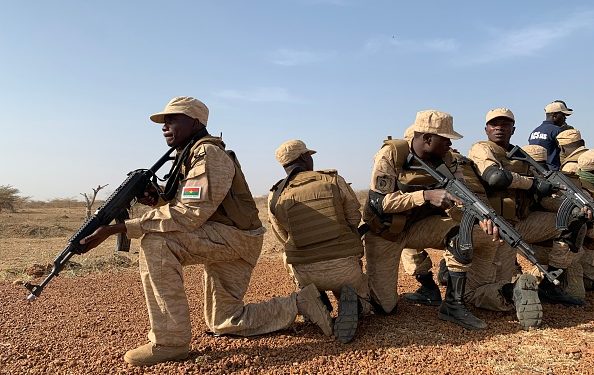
(575,234)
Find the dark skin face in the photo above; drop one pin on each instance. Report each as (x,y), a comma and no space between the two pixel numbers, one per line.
(431,146)
(178,129)
(499,130)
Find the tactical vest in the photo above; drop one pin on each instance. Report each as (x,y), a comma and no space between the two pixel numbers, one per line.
(310,204)
(238,208)
(512,204)
(410,180)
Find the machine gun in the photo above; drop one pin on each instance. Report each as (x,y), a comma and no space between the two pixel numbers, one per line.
(474,209)
(115,208)
(575,197)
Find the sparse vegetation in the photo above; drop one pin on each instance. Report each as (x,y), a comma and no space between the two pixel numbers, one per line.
(10,199)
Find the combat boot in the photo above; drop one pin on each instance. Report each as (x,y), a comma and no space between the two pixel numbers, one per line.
(524,295)
(554,294)
(151,354)
(345,325)
(453,308)
(428,293)
(310,305)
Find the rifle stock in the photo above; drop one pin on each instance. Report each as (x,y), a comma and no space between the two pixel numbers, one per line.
(474,209)
(114,208)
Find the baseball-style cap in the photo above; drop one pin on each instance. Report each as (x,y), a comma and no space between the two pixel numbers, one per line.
(586,161)
(183,105)
(291,150)
(537,152)
(555,107)
(435,122)
(499,112)
(568,136)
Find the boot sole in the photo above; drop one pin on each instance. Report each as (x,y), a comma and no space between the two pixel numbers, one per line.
(527,303)
(443,316)
(345,325)
(422,301)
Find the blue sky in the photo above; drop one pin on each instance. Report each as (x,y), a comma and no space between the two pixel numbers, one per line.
(78,80)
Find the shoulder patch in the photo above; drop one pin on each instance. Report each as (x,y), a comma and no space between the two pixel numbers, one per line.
(192,192)
(385,184)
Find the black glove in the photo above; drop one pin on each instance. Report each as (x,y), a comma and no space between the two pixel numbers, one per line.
(542,187)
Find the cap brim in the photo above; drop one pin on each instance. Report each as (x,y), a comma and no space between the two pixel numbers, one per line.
(310,152)
(568,112)
(159,118)
(453,135)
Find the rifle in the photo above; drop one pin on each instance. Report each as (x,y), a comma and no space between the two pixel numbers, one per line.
(473,209)
(114,208)
(574,195)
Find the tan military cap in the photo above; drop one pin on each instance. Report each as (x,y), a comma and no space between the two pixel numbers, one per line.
(291,150)
(499,112)
(537,152)
(568,136)
(555,107)
(586,161)
(183,105)
(435,122)
(409,133)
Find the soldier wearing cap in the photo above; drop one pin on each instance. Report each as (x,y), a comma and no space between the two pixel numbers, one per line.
(315,215)
(571,147)
(207,216)
(546,133)
(585,171)
(405,209)
(511,191)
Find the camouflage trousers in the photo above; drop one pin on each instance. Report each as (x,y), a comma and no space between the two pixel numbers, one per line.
(383,256)
(494,264)
(229,256)
(332,275)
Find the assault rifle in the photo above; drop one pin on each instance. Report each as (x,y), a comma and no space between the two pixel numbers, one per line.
(473,209)
(574,195)
(114,208)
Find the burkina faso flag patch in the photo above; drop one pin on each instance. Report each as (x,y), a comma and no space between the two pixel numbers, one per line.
(192,192)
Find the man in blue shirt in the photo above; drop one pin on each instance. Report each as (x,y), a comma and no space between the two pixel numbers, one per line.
(546,133)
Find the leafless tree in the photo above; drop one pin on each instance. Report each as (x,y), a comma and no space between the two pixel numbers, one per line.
(91,199)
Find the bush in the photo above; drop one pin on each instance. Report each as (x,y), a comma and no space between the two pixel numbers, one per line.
(9,198)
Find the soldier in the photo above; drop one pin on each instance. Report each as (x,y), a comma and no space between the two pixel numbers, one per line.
(510,189)
(571,146)
(417,263)
(208,216)
(546,133)
(315,215)
(585,172)
(404,209)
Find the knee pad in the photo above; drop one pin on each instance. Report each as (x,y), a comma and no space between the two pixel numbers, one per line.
(575,234)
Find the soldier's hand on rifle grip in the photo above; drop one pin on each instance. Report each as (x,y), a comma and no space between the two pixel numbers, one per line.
(101,234)
(542,187)
(587,213)
(150,196)
(440,198)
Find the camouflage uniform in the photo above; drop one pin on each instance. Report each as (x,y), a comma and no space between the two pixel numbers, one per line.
(315,215)
(406,217)
(211,220)
(586,176)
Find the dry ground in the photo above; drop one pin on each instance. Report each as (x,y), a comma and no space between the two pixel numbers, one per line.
(86,319)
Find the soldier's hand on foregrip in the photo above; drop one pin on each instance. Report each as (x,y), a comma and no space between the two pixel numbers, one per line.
(100,235)
(150,196)
(491,229)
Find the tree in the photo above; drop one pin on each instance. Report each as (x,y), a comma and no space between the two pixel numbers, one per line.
(91,200)
(9,198)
